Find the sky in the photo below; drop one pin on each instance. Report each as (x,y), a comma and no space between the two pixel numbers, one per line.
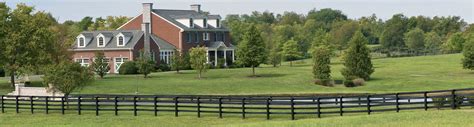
(77,9)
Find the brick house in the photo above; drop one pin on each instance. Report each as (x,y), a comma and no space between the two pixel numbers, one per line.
(158,32)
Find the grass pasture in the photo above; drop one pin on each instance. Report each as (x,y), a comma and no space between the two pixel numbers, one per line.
(454,118)
(391,75)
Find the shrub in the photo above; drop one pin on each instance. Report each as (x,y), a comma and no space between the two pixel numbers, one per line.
(220,63)
(358,82)
(127,68)
(163,67)
(349,83)
(324,82)
(439,102)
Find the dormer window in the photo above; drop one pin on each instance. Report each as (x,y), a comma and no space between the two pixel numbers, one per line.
(120,41)
(204,23)
(100,42)
(218,23)
(191,23)
(82,42)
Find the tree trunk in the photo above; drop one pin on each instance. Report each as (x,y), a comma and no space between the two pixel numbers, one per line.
(291,63)
(199,74)
(253,71)
(12,79)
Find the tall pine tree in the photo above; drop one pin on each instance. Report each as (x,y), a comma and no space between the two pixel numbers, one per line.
(251,50)
(468,52)
(357,59)
(321,68)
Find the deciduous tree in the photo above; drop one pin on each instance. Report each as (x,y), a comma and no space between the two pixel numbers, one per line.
(468,53)
(290,51)
(145,64)
(454,44)
(177,61)
(198,60)
(415,39)
(67,76)
(251,51)
(100,64)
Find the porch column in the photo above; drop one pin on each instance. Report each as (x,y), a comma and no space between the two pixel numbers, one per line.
(207,55)
(215,57)
(225,57)
(233,55)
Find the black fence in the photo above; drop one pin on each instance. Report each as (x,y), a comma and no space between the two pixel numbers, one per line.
(243,106)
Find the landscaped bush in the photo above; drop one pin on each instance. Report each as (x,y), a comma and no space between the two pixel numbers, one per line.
(358,82)
(324,82)
(128,68)
(439,102)
(349,83)
(163,67)
(220,63)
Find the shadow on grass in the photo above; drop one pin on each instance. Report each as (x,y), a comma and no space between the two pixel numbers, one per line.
(265,75)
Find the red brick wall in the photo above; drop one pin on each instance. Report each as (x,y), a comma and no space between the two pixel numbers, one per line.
(139,46)
(134,24)
(109,54)
(165,30)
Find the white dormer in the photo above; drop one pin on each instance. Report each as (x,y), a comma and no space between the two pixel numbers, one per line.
(204,23)
(81,41)
(123,38)
(191,23)
(120,40)
(101,40)
(214,23)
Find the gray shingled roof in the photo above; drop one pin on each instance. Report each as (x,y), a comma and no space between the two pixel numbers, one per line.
(131,38)
(172,15)
(216,44)
(162,44)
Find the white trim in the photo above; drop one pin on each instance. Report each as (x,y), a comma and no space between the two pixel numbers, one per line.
(128,22)
(205,36)
(118,39)
(168,21)
(79,41)
(103,40)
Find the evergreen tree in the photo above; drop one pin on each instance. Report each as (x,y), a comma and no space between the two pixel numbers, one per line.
(251,50)
(357,61)
(468,52)
(198,60)
(290,51)
(145,64)
(321,68)
(100,64)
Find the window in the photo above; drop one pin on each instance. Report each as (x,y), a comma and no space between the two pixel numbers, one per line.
(82,42)
(205,36)
(191,23)
(190,37)
(197,37)
(218,23)
(165,56)
(100,42)
(120,41)
(118,62)
(83,61)
(204,23)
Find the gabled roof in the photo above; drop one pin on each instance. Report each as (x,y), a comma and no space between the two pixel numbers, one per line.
(218,44)
(173,15)
(134,35)
(162,44)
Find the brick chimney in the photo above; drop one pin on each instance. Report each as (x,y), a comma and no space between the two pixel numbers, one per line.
(146,27)
(196,7)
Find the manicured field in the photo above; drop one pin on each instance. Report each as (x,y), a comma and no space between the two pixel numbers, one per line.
(454,118)
(391,75)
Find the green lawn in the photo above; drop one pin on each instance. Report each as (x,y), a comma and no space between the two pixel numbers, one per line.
(391,75)
(419,118)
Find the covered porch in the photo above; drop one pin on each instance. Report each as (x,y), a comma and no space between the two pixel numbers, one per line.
(219,54)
